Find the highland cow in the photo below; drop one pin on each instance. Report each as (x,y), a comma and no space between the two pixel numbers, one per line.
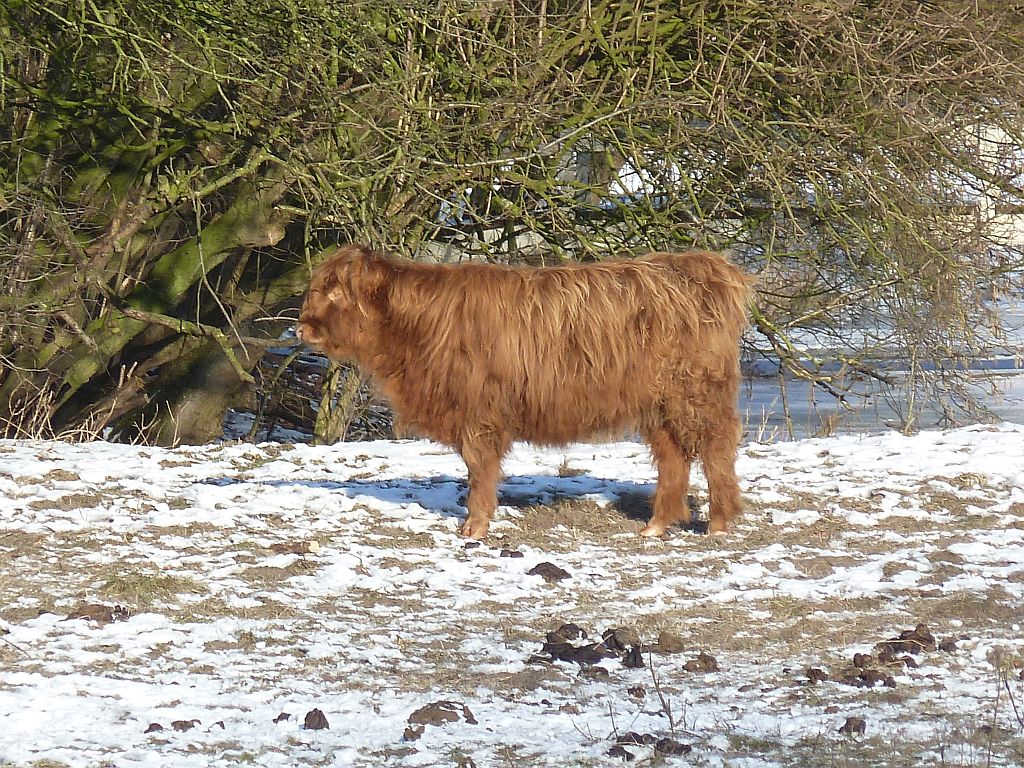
(477,356)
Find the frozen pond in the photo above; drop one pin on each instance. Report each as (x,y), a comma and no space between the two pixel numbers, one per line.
(997,375)
(814,412)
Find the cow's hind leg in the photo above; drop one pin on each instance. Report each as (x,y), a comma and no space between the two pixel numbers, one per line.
(482,455)
(673,481)
(718,455)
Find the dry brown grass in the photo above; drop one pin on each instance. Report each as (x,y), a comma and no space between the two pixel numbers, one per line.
(145,588)
(69,501)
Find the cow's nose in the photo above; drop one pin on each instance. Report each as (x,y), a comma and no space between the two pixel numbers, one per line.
(298,332)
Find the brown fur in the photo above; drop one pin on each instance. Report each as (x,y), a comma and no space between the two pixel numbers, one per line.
(477,355)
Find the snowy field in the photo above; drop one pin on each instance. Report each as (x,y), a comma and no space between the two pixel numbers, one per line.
(282,605)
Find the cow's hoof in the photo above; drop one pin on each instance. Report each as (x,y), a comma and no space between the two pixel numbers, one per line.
(654,530)
(475,529)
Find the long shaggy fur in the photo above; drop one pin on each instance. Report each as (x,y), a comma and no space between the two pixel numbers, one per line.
(478,355)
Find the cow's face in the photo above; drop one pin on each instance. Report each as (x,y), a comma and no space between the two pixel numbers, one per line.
(339,316)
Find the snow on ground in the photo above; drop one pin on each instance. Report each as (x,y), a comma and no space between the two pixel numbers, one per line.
(223,586)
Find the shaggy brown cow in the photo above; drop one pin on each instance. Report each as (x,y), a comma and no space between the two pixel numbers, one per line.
(478,355)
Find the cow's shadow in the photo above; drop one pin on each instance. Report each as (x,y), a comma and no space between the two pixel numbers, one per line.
(445,495)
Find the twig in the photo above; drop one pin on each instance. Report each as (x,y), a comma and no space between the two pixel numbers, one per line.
(18,648)
(72,324)
(270,389)
(995,721)
(276,318)
(588,734)
(611,717)
(666,706)
(787,357)
(1013,702)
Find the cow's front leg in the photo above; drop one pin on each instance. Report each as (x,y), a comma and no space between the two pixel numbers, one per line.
(483,462)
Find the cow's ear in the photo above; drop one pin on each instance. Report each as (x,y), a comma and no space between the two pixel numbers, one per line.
(369,273)
(350,274)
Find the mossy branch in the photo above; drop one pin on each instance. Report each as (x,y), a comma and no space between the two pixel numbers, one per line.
(193,328)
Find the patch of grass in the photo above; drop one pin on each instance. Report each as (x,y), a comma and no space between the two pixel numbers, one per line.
(268,575)
(204,610)
(189,531)
(969,480)
(15,543)
(69,502)
(566,470)
(995,607)
(389,754)
(529,679)
(944,502)
(61,476)
(959,743)
(175,463)
(541,524)
(883,750)
(147,589)
(398,538)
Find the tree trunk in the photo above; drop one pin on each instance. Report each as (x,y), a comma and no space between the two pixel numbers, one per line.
(193,394)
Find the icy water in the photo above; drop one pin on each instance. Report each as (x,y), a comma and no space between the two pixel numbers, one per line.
(998,374)
(813,412)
